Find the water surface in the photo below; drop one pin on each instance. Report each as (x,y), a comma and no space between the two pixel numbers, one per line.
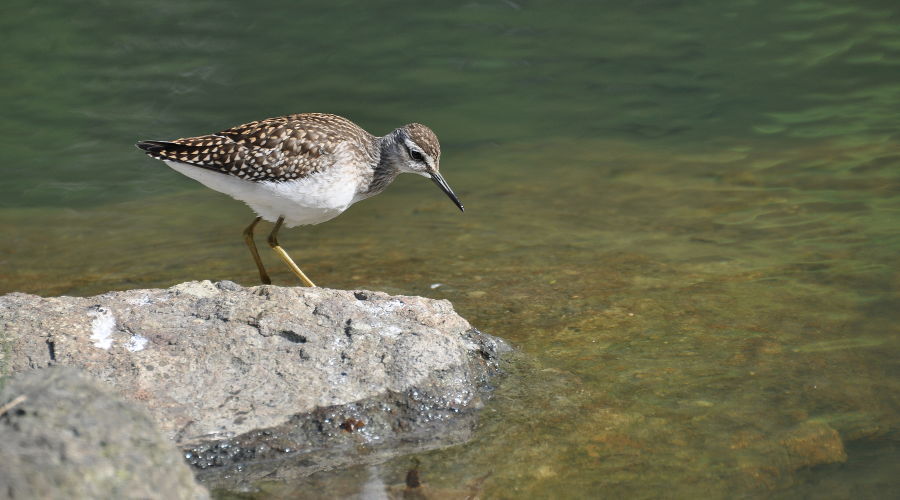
(683,214)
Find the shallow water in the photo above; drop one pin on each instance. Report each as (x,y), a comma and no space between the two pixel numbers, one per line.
(683,214)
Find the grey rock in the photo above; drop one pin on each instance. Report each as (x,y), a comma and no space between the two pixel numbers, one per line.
(217,364)
(63,435)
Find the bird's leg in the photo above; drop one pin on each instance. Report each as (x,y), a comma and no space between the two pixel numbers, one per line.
(248,237)
(273,242)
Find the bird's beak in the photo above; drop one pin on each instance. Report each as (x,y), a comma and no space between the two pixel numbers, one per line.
(441,183)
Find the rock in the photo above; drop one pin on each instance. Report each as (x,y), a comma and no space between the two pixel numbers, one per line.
(66,436)
(769,461)
(263,368)
(813,443)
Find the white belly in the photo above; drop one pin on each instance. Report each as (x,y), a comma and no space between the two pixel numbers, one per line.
(311,200)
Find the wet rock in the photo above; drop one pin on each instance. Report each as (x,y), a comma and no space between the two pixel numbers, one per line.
(66,436)
(234,373)
(370,431)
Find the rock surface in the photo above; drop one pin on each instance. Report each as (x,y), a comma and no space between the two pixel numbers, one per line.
(65,436)
(215,363)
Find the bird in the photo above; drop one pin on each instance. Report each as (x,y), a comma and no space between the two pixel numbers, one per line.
(301,169)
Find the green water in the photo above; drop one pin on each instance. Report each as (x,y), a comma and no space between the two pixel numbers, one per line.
(684,214)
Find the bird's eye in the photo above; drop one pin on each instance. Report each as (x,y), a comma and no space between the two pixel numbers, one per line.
(415,155)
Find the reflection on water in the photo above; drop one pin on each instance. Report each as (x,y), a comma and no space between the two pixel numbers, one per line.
(683,214)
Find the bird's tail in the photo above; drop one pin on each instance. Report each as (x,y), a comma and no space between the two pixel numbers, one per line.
(208,151)
(157,149)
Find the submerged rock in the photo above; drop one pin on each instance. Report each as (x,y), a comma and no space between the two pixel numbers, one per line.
(65,436)
(770,461)
(236,373)
(813,443)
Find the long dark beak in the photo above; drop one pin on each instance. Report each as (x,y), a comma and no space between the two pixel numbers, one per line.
(441,183)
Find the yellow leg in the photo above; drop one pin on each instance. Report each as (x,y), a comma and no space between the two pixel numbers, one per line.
(273,242)
(248,237)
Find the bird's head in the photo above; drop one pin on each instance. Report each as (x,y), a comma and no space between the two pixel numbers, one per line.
(416,150)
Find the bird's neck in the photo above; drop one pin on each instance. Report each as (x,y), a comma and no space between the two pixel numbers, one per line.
(385,170)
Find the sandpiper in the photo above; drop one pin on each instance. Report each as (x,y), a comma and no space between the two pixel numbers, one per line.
(301,169)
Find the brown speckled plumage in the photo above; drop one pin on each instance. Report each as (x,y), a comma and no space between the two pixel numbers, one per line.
(275,149)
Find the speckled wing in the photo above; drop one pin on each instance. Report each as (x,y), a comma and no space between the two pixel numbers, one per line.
(276,149)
